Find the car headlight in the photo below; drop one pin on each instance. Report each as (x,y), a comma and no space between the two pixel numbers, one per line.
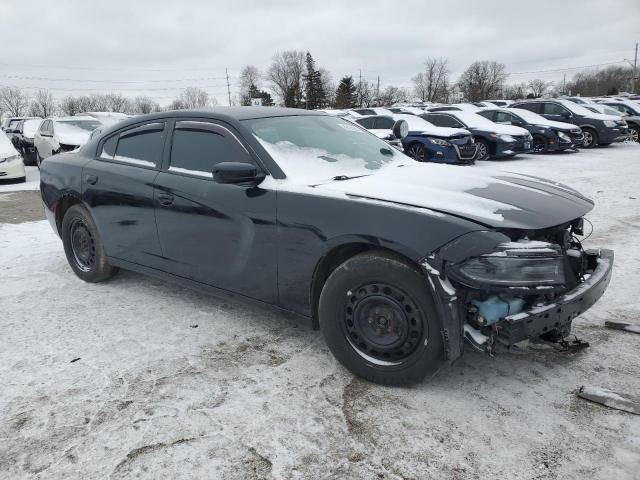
(564,137)
(438,141)
(506,138)
(510,271)
(609,123)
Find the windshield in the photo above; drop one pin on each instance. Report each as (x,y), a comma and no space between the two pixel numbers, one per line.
(30,127)
(88,125)
(314,149)
(415,123)
(529,116)
(575,108)
(472,120)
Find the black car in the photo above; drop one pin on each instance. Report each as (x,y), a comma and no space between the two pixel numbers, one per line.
(395,261)
(631,113)
(597,129)
(493,140)
(21,135)
(548,136)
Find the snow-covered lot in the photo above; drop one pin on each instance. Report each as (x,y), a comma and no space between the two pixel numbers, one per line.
(138,378)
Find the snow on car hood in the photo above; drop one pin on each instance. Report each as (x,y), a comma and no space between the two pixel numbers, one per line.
(496,199)
(6,147)
(560,125)
(444,132)
(506,129)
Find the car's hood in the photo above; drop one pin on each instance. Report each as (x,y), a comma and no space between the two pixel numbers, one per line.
(505,129)
(603,117)
(6,147)
(492,198)
(443,132)
(76,137)
(559,125)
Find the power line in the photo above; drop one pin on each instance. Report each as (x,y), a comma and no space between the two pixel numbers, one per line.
(155,89)
(127,69)
(565,69)
(57,79)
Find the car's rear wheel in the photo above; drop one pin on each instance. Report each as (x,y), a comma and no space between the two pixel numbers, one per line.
(634,134)
(83,246)
(417,152)
(540,144)
(378,318)
(590,138)
(483,150)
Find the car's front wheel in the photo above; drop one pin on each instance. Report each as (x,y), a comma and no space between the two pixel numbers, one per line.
(634,134)
(590,138)
(379,320)
(83,246)
(483,150)
(416,151)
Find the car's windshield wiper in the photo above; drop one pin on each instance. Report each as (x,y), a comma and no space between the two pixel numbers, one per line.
(346,177)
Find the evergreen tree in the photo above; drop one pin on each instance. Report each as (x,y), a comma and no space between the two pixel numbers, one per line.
(346,93)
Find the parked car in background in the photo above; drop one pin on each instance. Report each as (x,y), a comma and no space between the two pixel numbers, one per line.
(410,110)
(372,111)
(9,122)
(597,128)
(493,140)
(630,112)
(386,128)
(62,134)
(578,100)
(396,262)
(22,139)
(106,118)
(499,103)
(548,136)
(426,142)
(467,107)
(11,165)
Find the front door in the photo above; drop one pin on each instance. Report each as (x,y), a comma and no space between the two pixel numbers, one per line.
(219,234)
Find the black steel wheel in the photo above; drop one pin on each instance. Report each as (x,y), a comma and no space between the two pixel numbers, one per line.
(540,144)
(417,152)
(83,246)
(378,318)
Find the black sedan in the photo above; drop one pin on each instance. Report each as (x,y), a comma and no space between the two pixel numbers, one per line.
(395,261)
(493,140)
(548,136)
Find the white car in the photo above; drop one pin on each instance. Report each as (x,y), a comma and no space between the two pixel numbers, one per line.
(62,134)
(11,165)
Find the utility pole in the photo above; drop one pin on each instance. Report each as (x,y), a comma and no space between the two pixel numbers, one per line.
(634,65)
(378,92)
(360,89)
(228,87)
(564,83)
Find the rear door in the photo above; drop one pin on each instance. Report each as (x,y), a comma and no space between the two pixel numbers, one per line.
(223,235)
(118,186)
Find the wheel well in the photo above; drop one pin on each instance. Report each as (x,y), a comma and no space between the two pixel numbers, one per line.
(63,205)
(332,260)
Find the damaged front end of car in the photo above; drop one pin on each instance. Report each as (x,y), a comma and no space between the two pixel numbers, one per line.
(499,288)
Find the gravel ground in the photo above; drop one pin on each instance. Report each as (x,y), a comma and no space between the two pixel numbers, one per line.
(139,378)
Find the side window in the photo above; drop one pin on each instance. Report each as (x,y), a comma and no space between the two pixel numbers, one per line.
(554,109)
(503,117)
(445,121)
(43,126)
(141,145)
(384,123)
(364,111)
(109,148)
(197,150)
(488,115)
(532,107)
(366,122)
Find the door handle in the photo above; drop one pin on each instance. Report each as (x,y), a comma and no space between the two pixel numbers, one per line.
(91,179)
(165,199)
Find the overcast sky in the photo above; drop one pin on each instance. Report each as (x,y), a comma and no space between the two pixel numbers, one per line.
(137,46)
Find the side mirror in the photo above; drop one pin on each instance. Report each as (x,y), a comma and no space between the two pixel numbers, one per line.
(517,123)
(566,115)
(237,173)
(401,129)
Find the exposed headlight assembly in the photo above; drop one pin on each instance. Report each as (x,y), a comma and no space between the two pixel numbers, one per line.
(609,123)
(509,271)
(506,138)
(564,137)
(438,141)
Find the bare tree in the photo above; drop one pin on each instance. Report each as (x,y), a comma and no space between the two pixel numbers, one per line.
(116,102)
(539,87)
(285,75)
(42,104)
(482,80)
(515,91)
(143,104)
(391,95)
(431,85)
(328,86)
(194,97)
(69,105)
(14,101)
(249,82)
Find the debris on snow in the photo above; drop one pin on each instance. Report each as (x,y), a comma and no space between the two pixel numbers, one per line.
(627,327)
(609,399)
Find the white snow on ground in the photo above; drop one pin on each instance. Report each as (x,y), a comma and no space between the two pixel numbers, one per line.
(251,393)
(32,183)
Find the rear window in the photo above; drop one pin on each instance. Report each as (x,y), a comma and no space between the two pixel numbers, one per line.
(141,146)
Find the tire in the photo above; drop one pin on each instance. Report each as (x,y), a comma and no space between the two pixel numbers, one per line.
(417,152)
(384,285)
(83,246)
(590,139)
(483,149)
(634,134)
(540,144)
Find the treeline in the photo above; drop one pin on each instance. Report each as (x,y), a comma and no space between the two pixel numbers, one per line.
(295,80)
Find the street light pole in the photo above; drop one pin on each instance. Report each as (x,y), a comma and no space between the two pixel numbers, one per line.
(634,65)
